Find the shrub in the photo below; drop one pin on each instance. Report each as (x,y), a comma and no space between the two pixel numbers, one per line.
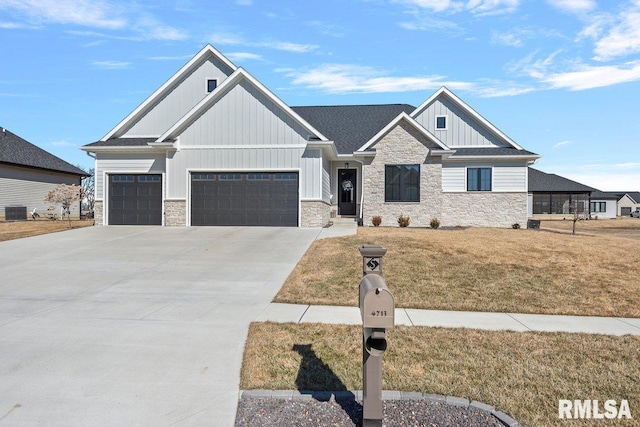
(403,221)
(376,220)
(515,226)
(435,223)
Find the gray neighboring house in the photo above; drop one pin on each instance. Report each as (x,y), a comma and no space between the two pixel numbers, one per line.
(612,204)
(213,146)
(28,173)
(553,196)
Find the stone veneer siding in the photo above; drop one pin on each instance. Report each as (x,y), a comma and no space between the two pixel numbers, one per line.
(403,145)
(484,209)
(98,213)
(175,213)
(314,213)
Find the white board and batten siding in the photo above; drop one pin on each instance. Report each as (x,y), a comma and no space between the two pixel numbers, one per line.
(462,130)
(126,163)
(182,97)
(28,187)
(506,178)
(326,180)
(244,131)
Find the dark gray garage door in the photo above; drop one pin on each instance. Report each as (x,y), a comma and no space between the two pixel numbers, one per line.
(263,198)
(135,199)
(625,211)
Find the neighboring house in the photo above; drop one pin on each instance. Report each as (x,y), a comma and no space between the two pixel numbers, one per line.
(614,203)
(213,146)
(27,174)
(553,196)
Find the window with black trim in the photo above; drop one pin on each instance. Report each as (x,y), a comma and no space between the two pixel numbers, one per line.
(598,206)
(402,183)
(441,122)
(479,179)
(212,84)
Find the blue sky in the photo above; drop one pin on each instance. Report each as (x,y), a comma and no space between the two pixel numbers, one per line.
(560,77)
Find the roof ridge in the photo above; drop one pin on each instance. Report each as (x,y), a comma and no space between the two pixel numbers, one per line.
(352,105)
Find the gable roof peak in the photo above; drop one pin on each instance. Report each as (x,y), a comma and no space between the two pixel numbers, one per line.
(468,110)
(206,52)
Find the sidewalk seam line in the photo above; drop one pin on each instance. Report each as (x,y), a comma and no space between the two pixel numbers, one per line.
(305,312)
(511,316)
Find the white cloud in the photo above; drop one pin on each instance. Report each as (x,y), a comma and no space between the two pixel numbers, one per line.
(111,65)
(622,39)
(62,143)
(290,47)
(562,143)
(507,39)
(573,6)
(478,7)
(344,78)
(231,39)
(492,7)
(94,13)
(99,14)
(243,56)
(589,77)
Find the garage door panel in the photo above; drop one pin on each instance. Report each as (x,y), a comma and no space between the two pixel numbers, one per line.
(135,200)
(260,198)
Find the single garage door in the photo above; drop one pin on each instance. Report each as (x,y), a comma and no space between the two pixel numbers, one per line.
(625,211)
(255,198)
(135,199)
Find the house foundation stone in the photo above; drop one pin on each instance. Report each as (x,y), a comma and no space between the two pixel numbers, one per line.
(314,213)
(175,213)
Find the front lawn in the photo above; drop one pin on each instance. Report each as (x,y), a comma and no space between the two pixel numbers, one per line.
(481,269)
(20,229)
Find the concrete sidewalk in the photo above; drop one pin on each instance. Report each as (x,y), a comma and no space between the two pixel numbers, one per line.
(300,313)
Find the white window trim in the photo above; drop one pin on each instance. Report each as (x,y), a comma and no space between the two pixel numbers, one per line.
(446,122)
(206,84)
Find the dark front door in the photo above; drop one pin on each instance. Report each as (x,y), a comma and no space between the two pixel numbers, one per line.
(347,191)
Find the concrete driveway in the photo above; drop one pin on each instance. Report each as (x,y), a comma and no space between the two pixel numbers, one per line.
(124,326)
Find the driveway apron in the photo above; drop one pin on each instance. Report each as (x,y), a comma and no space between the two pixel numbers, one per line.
(144,326)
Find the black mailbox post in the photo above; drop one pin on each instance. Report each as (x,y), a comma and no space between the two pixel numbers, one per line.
(377,308)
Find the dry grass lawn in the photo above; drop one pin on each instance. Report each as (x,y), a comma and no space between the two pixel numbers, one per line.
(522,374)
(483,269)
(625,227)
(20,229)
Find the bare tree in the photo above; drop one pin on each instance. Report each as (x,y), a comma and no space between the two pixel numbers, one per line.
(88,186)
(65,195)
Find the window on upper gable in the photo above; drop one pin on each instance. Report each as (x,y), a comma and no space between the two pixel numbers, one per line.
(441,122)
(212,84)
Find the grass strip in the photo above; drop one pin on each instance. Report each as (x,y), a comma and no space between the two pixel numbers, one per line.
(522,374)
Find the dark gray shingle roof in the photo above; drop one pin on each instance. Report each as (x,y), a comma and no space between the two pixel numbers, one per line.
(17,151)
(492,151)
(122,142)
(616,195)
(351,126)
(548,182)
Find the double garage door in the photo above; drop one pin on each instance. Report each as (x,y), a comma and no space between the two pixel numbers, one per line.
(247,198)
(238,199)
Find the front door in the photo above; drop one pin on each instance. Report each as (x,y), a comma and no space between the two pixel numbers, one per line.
(347,191)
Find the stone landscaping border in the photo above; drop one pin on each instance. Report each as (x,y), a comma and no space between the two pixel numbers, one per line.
(325,396)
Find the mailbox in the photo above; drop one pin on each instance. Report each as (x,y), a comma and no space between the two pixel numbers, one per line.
(377,306)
